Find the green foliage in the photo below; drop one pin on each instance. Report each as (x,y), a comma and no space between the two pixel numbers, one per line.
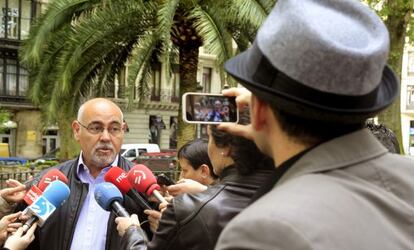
(4,117)
(77,47)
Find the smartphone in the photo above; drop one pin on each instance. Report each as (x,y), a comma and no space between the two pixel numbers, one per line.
(162,179)
(206,108)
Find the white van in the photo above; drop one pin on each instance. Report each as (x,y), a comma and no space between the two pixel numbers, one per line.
(131,151)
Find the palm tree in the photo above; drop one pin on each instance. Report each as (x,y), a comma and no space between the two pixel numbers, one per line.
(77,47)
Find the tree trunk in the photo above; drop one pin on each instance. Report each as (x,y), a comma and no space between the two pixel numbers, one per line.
(69,148)
(397,21)
(121,83)
(188,83)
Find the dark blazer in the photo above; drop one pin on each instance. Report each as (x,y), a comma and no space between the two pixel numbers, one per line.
(58,230)
(195,221)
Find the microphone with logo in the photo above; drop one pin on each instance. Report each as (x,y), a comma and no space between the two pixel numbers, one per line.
(52,198)
(118,177)
(109,198)
(36,191)
(143,180)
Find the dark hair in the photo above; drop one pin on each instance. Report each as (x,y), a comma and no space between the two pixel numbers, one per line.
(385,136)
(196,153)
(312,131)
(244,152)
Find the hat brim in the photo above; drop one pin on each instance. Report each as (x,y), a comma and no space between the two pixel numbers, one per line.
(241,69)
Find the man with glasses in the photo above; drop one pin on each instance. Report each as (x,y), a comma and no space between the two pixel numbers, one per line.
(81,223)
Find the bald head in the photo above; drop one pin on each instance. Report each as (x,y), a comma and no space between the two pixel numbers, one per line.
(98,104)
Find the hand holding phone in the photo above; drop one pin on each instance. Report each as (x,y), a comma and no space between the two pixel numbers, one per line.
(207,108)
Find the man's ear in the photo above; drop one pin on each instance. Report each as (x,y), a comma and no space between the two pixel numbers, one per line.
(259,111)
(75,129)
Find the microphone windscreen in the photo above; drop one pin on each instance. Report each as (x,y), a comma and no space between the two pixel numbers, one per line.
(118,177)
(142,179)
(106,193)
(56,193)
(52,175)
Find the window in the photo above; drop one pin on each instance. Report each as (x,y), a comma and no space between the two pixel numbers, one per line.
(410,96)
(206,81)
(131,153)
(15,19)
(175,83)
(156,82)
(412,133)
(50,140)
(13,78)
(173,131)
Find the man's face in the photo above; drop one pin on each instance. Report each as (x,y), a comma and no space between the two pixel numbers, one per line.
(100,135)
(217,105)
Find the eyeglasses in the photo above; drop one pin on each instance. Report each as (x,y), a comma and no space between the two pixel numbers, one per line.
(96,128)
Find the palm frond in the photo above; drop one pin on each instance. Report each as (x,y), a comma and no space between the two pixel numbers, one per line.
(92,38)
(211,28)
(139,65)
(252,11)
(58,13)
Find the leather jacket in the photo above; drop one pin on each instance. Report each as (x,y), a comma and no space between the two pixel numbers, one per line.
(58,230)
(195,221)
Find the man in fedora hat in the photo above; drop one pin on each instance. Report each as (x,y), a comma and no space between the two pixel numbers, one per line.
(316,71)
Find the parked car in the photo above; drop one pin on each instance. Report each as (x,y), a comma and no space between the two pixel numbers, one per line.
(132,151)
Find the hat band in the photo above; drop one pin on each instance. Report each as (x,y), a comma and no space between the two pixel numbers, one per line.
(269,78)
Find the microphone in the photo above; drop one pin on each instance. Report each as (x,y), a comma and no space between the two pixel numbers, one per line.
(53,197)
(36,191)
(109,197)
(52,175)
(118,177)
(143,180)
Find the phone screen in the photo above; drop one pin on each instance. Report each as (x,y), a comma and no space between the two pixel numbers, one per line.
(209,108)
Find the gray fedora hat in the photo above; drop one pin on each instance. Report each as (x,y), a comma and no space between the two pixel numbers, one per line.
(325,59)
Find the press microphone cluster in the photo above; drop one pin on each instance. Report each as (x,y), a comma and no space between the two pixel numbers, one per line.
(36,191)
(143,180)
(119,178)
(117,182)
(54,195)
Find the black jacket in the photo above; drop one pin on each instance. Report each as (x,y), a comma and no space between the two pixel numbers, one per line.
(196,221)
(58,230)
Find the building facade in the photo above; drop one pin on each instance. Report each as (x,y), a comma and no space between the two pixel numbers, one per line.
(155,120)
(407,100)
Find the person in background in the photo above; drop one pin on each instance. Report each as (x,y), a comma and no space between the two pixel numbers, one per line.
(215,114)
(385,136)
(315,73)
(195,163)
(195,176)
(194,221)
(80,223)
